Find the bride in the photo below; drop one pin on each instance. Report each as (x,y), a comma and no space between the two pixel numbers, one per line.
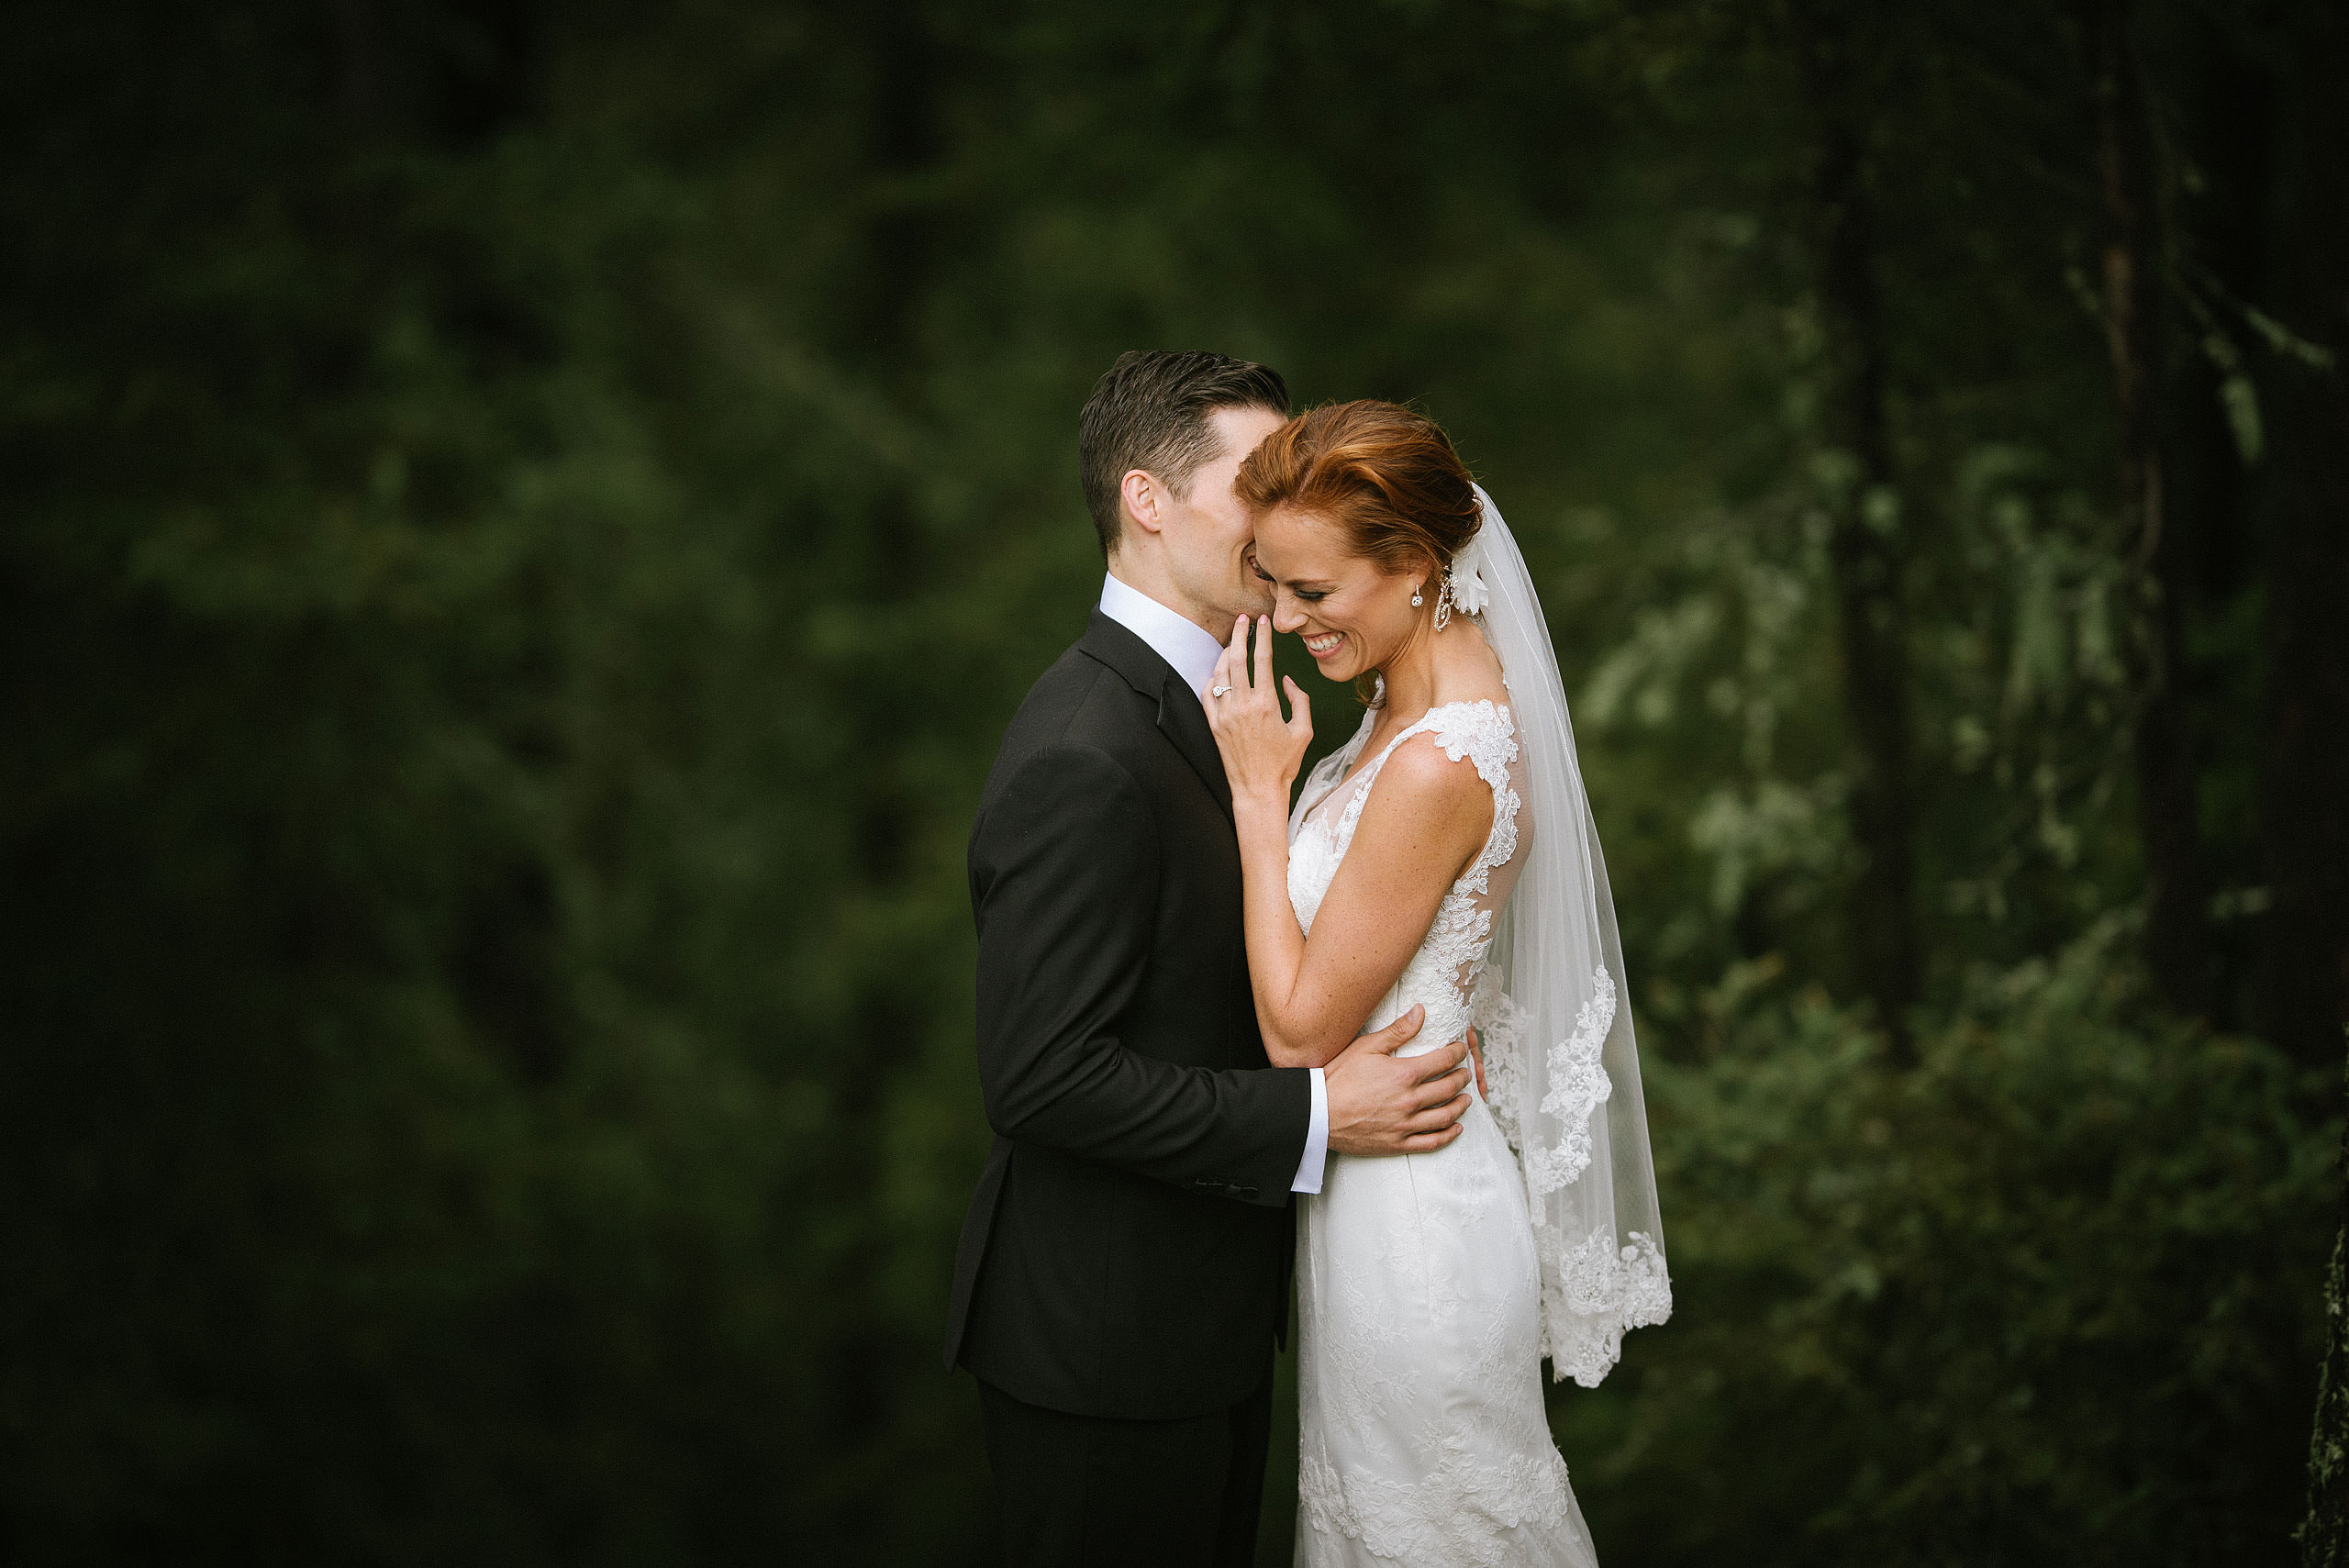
(1444,857)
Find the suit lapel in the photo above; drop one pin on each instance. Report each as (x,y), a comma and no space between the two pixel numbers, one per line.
(1183,721)
(1180,717)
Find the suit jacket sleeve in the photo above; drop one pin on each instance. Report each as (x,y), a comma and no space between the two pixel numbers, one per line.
(1064,870)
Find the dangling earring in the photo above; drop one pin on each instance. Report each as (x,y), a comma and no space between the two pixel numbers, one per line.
(1416,600)
(1443,602)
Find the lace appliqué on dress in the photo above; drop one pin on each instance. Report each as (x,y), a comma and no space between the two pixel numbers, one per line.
(1500,1027)
(1439,973)
(1457,1514)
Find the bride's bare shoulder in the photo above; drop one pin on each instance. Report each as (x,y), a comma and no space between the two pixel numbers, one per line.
(1424,783)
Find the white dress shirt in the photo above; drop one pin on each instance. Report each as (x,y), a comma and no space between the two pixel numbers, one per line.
(1193,651)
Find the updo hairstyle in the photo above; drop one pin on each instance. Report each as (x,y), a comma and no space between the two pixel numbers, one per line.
(1384,474)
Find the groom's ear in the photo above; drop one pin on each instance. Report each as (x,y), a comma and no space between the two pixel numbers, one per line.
(1144,499)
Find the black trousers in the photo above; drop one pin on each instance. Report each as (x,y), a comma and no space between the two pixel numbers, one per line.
(1082,1491)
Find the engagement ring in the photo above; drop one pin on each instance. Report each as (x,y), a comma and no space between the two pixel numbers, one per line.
(1217,691)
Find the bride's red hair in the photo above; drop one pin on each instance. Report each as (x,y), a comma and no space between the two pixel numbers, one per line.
(1384,474)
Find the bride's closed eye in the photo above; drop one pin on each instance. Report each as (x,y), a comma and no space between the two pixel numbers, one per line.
(1310,595)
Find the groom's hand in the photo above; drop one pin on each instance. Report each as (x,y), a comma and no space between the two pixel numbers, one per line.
(1382,1104)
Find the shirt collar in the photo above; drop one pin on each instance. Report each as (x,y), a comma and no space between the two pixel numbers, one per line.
(1176,638)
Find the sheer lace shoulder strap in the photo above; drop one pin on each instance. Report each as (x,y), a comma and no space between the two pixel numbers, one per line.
(1485,733)
(1481,732)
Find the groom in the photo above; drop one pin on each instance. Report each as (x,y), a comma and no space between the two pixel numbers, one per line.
(1123,1273)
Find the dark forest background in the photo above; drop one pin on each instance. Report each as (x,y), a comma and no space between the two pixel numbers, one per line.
(524,523)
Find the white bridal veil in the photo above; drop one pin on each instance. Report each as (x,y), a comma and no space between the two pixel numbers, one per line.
(1552,1009)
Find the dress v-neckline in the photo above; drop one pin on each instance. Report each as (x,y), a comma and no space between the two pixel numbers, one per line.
(1362,767)
(1357,765)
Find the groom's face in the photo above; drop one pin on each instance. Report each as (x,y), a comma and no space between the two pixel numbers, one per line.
(1210,535)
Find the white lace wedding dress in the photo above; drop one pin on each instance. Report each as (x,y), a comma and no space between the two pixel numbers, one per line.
(1422,1439)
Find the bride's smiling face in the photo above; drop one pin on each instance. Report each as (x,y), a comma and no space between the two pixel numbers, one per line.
(1352,616)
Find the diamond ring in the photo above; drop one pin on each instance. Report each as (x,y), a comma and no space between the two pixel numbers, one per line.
(1217,691)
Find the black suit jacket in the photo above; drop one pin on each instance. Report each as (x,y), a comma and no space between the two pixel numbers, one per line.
(1127,1254)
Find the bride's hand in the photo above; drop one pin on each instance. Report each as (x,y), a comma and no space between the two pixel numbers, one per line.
(1260,750)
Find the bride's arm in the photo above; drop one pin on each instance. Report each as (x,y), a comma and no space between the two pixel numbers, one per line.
(1426,817)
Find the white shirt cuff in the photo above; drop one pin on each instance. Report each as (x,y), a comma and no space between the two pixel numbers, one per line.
(1317,1140)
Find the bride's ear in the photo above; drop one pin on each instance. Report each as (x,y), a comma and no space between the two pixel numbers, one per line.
(1425,578)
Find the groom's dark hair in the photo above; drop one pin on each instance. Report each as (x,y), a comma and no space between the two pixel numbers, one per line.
(1150,411)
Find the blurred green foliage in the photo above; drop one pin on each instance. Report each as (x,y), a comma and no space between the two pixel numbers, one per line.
(2018,1305)
(523,526)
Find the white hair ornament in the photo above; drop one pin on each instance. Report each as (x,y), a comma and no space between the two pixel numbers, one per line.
(1465,581)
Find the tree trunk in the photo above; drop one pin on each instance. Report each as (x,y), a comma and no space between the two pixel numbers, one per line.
(2305,791)
(2324,1534)
(2212,456)
(1865,547)
(2134,261)
(2304,820)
